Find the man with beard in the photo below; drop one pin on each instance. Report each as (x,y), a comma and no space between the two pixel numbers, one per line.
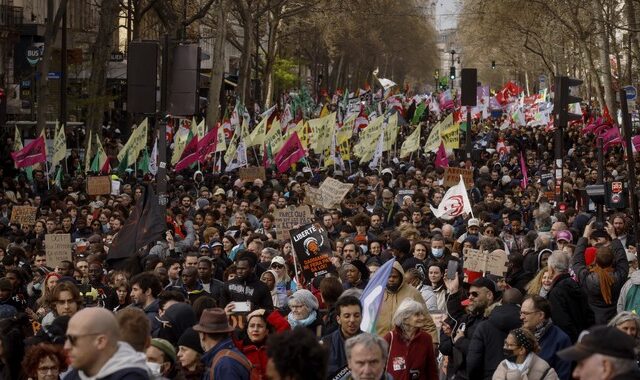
(621,231)
(246,286)
(455,338)
(388,209)
(349,315)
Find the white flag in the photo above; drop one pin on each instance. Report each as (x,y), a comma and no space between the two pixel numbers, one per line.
(454,203)
(153,161)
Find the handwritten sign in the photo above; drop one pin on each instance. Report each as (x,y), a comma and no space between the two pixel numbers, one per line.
(452,176)
(98,185)
(493,263)
(57,248)
(288,218)
(252,173)
(312,196)
(333,192)
(24,215)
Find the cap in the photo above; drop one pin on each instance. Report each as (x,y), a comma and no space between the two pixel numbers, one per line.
(599,234)
(166,347)
(604,340)
(473,222)
(387,171)
(483,282)
(219,192)
(564,235)
(278,260)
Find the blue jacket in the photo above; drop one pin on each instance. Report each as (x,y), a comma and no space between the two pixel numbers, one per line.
(227,368)
(334,343)
(554,340)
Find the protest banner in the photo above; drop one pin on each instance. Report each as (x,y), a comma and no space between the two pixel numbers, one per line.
(452,177)
(290,217)
(24,215)
(312,248)
(333,191)
(493,263)
(57,248)
(252,173)
(98,185)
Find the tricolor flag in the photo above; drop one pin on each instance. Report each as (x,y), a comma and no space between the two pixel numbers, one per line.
(372,295)
(33,153)
(454,203)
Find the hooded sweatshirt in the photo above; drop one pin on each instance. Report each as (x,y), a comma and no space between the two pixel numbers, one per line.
(125,364)
(391,301)
(633,280)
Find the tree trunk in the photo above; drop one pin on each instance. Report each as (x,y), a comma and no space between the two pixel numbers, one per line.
(603,55)
(248,25)
(217,71)
(633,36)
(99,63)
(51,31)
(594,72)
(272,50)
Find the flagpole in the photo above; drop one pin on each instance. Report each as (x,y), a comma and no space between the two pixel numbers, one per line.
(46,170)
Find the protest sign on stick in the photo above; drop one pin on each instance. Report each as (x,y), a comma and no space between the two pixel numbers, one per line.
(312,248)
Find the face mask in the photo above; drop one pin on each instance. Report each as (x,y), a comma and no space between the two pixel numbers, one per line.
(509,355)
(364,249)
(154,367)
(437,252)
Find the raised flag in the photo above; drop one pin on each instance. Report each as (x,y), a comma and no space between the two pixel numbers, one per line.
(153,160)
(523,169)
(411,143)
(417,115)
(441,157)
(100,163)
(136,142)
(179,143)
(59,146)
(33,153)
(454,203)
(290,153)
(372,295)
(208,144)
(189,155)
(17,140)
(87,153)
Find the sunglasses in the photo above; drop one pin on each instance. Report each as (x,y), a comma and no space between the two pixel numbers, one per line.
(474,294)
(277,266)
(73,339)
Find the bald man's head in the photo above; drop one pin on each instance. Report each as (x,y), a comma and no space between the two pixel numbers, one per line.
(96,320)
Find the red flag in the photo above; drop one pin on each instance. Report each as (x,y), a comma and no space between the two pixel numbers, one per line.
(289,154)
(441,157)
(208,144)
(509,90)
(189,155)
(33,153)
(523,169)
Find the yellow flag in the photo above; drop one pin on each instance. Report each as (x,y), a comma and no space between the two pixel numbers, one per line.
(87,153)
(257,136)
(391,132)
(369,138)
(325,111)
(59,146)
(233,147)
(322,130)
(411,143)
(222,143)
(179,143)
(433,141)
(17,140)
(451,136)
(136,143)
(200,129)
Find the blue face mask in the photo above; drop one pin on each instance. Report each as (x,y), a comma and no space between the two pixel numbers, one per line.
(437,252)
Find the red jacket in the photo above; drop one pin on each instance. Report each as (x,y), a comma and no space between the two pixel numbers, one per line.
(411,360)
(257,354)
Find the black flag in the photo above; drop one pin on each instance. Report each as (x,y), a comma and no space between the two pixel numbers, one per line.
(145,225)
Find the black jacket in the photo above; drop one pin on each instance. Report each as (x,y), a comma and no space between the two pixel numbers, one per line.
(485,349)
(250,289)
(569,307)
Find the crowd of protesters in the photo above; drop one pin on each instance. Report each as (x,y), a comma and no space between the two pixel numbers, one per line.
(219,296)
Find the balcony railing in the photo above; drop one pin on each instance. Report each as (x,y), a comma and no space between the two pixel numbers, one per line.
(10,16)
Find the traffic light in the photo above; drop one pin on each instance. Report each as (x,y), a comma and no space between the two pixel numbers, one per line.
(493,65)
(562,99)
(452,72)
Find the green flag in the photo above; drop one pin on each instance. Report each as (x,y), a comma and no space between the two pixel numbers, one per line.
(124,164)
(144,161)
(58,179)
(418,113)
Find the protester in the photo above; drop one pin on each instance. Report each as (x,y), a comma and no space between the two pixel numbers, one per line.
(44,362)
(189,355)
(349,316)
(296,355)
(304,312)
(521,361)
(367,357)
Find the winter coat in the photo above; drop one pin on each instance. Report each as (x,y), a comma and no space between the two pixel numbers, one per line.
(569,308)
(552,341)
(485,349)
(538,370)
(391,301)
(334,343)
(590,282)
(227,367)
(622,299)
(125,364)
(250,289)
(413,360)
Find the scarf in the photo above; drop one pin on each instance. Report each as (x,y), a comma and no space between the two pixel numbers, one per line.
(542,328)
(605,278)
(301,322)
(523,367)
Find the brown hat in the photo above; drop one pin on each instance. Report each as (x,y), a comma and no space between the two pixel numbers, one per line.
(212,321)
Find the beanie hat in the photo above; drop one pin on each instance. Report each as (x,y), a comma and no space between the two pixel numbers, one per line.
(402,245)
(166,347)
(305,297)
(190,339)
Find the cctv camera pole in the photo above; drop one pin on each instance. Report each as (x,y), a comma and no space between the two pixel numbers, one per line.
(600,181)
(631,163)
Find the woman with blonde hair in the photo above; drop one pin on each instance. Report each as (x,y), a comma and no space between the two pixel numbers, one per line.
(540,284)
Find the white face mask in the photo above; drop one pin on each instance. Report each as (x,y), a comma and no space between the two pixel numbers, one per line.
(155,368)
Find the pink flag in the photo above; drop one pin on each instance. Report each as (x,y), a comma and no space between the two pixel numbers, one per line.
(290,153)
(189,155)
(525,177)
(635,142)
(208,144)
(31,154)
(611,137)
(441,157)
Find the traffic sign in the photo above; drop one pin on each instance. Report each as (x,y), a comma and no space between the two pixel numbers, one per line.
(631,91)
(117,56)
(542,78)
(34,54)
(54,74)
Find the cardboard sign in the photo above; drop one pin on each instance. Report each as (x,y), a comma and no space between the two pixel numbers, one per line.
(313,196)
(288,218)
(252,173)
(312,247)
(333,192)
(99,185)
(24,215)
(452,177)
(494,263)
(57,248)
(402,193)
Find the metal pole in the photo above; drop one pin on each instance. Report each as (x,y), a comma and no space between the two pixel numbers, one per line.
(468,134)
(558,163)
(161,177)
(600,180)
(631,163)
(63,71)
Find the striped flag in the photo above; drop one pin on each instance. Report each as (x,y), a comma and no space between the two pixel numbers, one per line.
(372,295)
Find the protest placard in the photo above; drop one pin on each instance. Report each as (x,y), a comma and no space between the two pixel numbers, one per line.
(494,263)
(24,215)
(313,196)
(402,193)
(251,173)
(312,248)
(57,248)
(290,217)
(497,263)
(98,185)
(452,177)
(333,192)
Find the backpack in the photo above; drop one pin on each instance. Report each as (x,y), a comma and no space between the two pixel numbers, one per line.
(632,300)
(232,355)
